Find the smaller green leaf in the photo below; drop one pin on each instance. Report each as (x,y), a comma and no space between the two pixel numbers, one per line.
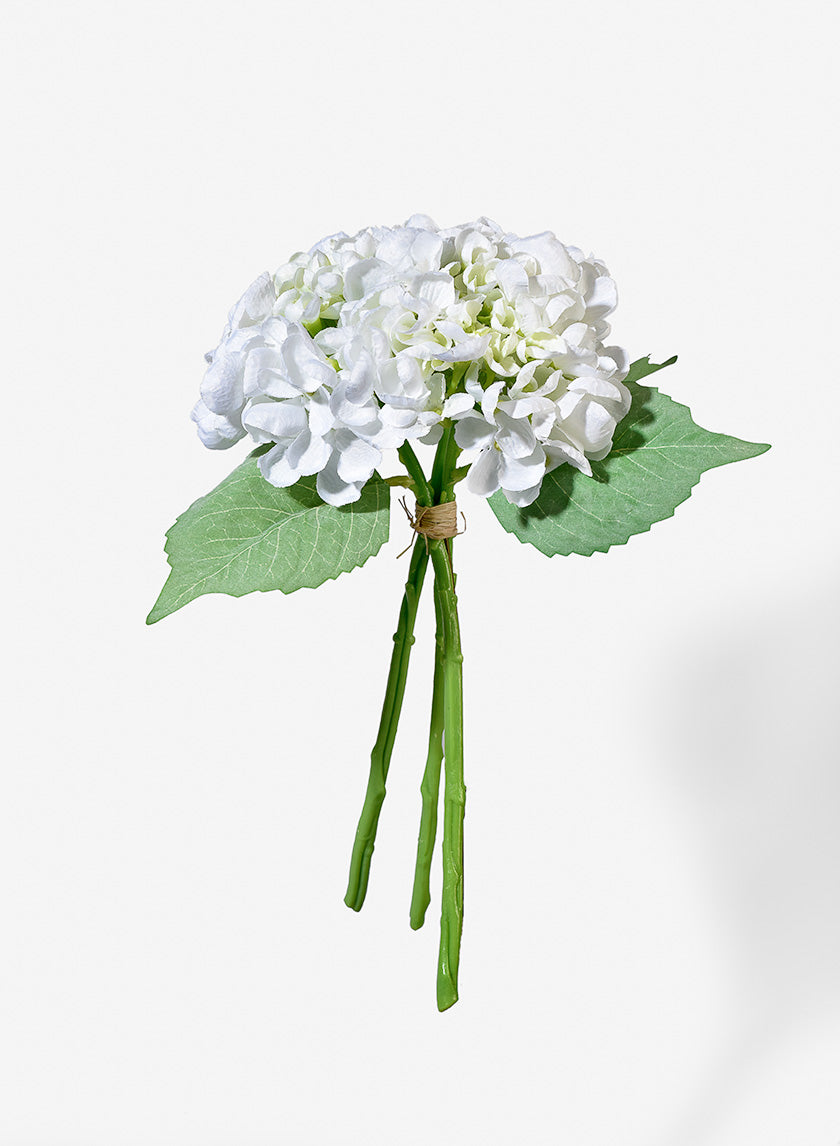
(658,456)
(643,366)
(248,536)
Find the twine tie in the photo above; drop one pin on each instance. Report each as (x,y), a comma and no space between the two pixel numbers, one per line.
(433,522)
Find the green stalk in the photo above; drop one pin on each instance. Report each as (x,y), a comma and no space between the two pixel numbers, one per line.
(409,459)
(454,792)
(454,800)
(447,714)
(443,465)
(380,757)
(421,895)
(430,786)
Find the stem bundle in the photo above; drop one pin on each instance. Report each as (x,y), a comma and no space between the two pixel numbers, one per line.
(446,733)
(380,757)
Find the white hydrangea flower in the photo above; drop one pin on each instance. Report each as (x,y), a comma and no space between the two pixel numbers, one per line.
(503,447)
(371,340)
(218,413)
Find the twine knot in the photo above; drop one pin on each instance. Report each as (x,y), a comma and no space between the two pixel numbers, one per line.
(434,522)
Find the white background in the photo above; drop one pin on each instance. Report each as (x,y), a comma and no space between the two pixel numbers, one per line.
(652,935)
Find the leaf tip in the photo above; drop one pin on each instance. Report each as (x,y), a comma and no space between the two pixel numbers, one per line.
(159,610)
(154,615)
(750,450)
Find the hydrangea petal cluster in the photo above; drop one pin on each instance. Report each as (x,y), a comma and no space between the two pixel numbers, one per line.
(369,341)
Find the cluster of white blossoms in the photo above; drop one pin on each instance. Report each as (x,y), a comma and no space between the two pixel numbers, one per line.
(369,341)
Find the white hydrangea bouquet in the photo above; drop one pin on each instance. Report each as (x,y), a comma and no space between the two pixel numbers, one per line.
(491,348)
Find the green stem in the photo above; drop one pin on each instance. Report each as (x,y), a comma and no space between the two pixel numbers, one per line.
(440,488)
(421,895)
(442,465)
(380,757)
(447,707)
(409,459)
(452,905)
(400,482)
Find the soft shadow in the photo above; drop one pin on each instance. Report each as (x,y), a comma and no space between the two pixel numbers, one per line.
(305,493)
(560,484)
(752,744)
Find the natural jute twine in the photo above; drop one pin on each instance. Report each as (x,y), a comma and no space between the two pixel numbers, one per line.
(434,522)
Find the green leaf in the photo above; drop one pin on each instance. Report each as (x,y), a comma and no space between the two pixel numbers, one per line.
(658,456)
(643,366)
(246,536)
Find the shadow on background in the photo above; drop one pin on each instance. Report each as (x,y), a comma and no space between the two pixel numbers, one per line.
(752,744)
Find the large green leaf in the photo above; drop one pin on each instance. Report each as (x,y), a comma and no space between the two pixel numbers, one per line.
(658,455)
(247,535)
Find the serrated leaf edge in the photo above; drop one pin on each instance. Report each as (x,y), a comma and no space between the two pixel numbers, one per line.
(188,595)
(761,448)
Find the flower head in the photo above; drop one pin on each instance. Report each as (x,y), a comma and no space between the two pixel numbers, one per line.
(368,341)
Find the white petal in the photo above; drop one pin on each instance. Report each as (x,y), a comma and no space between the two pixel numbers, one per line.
(597,387)
(215,430)
(578,334)
(221,388)
(332,489)
(466,350)
(524,378)
(333,339)
(347,412)
(306,366)
(401,382)
(514,437)
(470,241)
(472,385)
(393,248)
(523,497)
(270,421)
(276,469)
(542,421)
(363,277)
(359,386)
(472,432)
(308,453)
(427,247)
(275,330)
(384,437)
(419,431)
(558,452)
(457,405)
(396,416)
(422,223)
(490,397)
(561,309)
(255,303)
(553,257)
(591,427)
(433,437)
(602,298)
(523,407)
(620,357)
(483,478)
(436,289)
(522,473)
(356,459)
(512,278)
(321,419)
(625,404)
(568,403)
(265,374)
